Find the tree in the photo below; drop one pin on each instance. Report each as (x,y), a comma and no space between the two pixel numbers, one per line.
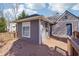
(22,15)
(2,24)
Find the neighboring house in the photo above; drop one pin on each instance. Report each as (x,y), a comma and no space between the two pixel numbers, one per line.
(54,18)
(11,27)
(34,29)
(67,23)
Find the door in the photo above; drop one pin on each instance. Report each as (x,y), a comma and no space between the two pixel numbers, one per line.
(69,29)
(47,31)
(43,33)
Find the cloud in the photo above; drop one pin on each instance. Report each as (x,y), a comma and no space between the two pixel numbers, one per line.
(28,11)
(35,5)
(59,7)
(75,7)
(10,14)
(20,9)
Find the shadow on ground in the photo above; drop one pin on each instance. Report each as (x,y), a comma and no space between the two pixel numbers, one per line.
(23,48)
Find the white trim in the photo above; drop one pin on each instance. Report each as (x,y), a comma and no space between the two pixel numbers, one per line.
(40,36)
(23,25)
(69,20)
(71,27)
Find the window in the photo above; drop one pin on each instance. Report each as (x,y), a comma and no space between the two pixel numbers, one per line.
(26,29)
(65,17)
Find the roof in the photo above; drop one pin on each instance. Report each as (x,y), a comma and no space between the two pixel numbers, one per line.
(71,13)
(35,18)
(54,18)
(65,13)
(32,15)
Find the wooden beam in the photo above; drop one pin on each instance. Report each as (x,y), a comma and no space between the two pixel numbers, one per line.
(69,48)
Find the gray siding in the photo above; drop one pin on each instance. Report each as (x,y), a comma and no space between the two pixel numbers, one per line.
(60,28)
(34,31)
(69,17)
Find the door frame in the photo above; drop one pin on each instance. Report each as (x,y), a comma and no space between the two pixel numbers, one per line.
(69,24)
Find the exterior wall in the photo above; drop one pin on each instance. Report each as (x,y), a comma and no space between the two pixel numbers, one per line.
(11,27)
(34,32)
(69,17)
(63,27)
(60,28)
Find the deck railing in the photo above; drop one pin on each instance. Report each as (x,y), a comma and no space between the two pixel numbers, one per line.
(73,46)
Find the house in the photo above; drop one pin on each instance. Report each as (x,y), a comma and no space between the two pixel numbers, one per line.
(11,27)
(34,29)
(67,23)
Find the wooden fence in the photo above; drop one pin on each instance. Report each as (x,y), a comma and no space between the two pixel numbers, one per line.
(6,36)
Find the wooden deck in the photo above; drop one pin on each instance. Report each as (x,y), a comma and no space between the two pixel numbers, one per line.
(73,48)
(23,48)
(6,40)
(58,44)
(53,46)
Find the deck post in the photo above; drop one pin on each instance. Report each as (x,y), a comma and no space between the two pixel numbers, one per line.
(69,48)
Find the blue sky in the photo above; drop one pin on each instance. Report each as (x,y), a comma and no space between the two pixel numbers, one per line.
(46,9)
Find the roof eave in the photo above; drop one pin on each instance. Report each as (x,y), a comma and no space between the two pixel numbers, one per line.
(35,18)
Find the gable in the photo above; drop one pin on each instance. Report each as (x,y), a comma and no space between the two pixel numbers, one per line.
(67,16)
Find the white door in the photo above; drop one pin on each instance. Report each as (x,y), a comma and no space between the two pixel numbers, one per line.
(43,33)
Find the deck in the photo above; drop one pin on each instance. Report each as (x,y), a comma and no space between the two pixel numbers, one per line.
(58,44)
(23,48)
(51,47)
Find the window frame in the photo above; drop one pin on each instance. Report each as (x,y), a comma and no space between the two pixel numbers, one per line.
(26,24)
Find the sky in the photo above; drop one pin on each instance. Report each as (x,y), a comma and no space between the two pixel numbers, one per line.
(46,9)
